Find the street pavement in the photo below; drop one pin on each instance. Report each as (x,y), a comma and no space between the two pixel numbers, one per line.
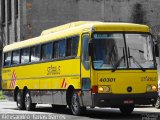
(9,111)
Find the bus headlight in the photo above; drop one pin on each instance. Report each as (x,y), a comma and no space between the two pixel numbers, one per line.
(151,88)
(104,89)
(108,89)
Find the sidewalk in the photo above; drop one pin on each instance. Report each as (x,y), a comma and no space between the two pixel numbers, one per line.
(3,100)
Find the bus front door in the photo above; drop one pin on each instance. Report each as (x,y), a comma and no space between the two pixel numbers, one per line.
(85,72)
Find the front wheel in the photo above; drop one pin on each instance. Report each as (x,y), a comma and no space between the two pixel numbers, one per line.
(75,105)
(28,102)
(127,109)
(157,104)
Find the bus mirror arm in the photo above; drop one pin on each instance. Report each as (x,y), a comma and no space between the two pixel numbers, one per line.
(90,48)
(156,43)
(156,50)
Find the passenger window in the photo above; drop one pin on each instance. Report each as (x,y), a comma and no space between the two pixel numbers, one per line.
(25,55)
(47,51)
(75,41)
(62,48)
(72,46)
(55,49)
(15,57)
(7,59)
(85,54)
(35,53)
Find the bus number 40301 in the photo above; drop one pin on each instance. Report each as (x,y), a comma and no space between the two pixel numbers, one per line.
(107,80)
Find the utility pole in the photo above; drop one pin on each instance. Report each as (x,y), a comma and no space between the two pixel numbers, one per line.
(2,44)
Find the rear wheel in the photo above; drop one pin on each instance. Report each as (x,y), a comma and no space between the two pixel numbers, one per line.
(157,104)
(75,105)
(127,109)
(28,102)
(20,101)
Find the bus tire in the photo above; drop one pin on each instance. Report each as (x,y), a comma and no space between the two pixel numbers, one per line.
(20,100)
(75,107)
(127,109)
(157,104)
(28,102)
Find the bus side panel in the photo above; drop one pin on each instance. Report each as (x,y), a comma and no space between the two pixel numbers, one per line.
(47,81)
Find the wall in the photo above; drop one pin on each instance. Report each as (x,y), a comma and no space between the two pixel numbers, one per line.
(39,15)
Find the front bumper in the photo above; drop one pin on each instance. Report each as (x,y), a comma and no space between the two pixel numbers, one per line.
(116,100)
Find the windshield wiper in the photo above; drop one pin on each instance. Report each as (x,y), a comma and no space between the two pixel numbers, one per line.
(135,60)
(117,64)
(137,63)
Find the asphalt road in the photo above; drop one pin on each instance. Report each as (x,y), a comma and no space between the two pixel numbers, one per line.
(9,111)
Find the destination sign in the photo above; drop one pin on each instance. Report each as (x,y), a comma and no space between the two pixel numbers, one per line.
(107,35)
(101,35)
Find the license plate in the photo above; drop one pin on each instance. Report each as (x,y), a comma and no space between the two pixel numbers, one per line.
(128,101)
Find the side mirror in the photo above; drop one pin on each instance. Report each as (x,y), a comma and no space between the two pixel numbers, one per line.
(90,48)
(156,44)
(156,50)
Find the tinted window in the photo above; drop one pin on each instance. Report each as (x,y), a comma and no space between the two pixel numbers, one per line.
(139,48)
(62,47)
(109,51)
(85,55)
(55,50)
(15,57)
(47,51)
(35,53)
(25,55)
(7,59)
(72,46)
(75,45)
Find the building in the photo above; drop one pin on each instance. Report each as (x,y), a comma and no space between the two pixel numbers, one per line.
(23,19)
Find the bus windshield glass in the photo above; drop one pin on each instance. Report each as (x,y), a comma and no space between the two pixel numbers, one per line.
(139,48)
(122,51)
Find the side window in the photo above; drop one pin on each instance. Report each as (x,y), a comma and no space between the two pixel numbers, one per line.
(55,49)
(46,51)
(7,59)
(62,48)
(72,46)
(25,55)
(85,55)
(15,57)
(75,42)
(35,53)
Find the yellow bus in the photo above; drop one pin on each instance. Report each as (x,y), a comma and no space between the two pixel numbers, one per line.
(83,64)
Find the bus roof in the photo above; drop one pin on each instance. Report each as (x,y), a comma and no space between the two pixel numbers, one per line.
(75,28)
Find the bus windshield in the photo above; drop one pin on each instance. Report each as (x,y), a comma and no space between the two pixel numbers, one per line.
(122,51)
